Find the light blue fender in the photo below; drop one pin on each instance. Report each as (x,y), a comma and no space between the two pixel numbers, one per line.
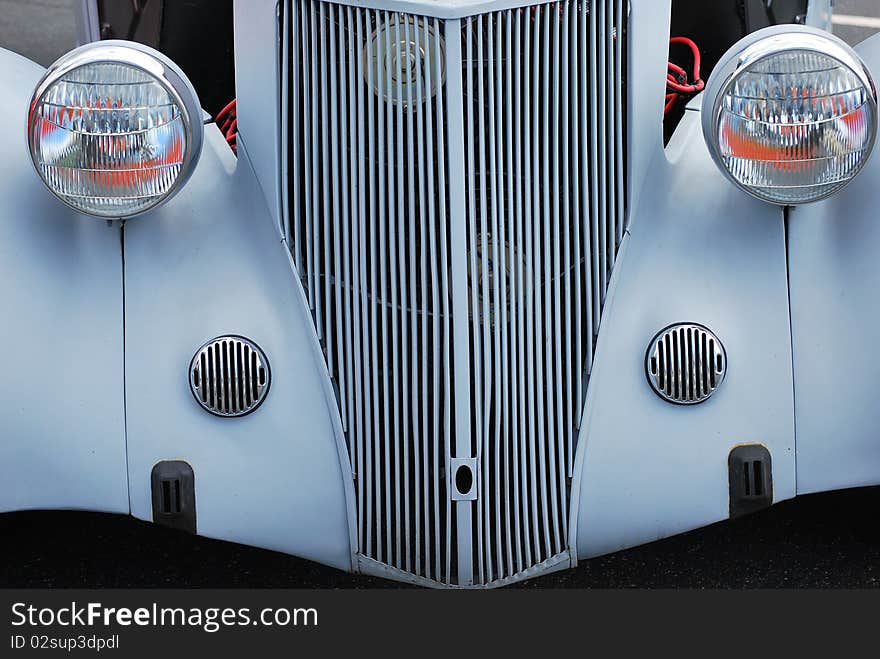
(62,426)
(211,262)
(697,250)
(835,304)
(86,414)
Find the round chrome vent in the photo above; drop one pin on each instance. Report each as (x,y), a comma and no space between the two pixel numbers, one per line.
(229,376)
(685,363)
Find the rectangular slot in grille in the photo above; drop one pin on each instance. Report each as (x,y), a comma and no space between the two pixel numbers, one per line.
(381,230)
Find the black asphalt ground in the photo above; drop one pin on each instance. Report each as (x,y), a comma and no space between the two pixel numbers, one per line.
(825,541)
(821,541)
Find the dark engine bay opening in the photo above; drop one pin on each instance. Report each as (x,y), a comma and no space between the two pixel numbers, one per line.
(714,26)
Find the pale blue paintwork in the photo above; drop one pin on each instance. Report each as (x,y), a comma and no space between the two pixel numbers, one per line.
(697,250)
(62,430)
(213,260)
(210,261)
(835,297)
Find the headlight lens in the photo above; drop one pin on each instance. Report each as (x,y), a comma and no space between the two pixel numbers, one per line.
(794,118)
(114,129)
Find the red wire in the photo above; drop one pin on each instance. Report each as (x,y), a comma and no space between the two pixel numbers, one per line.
(230,107)
(694,49)
(227,122)
(676,69)
(678,83)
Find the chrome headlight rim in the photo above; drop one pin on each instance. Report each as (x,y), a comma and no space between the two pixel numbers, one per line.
(767,43)
(149,61)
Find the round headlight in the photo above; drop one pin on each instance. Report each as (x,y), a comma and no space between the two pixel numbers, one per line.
(114,129)
(790,115)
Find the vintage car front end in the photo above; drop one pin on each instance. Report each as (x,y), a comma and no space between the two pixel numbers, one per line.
(453,313)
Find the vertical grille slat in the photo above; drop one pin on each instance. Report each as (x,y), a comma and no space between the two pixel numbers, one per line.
(541,211)
(356,426)
(396,198)
(520,279)
(480,248)
(364,421)
(600,144)
(457,199)
(339,227)
(597,246)
(475,339)
(432,137)
(443,443)
(502,284)
(413,374)
(558,274)
(347,128)
(296,177)
(372,433)
(303,135)
(326,215)
(424,229)
(530,284)
(512,398)
(620,112)
(573,349)
(609,138)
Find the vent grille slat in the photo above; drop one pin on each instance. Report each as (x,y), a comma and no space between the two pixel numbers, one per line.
(233,378)
(418,214)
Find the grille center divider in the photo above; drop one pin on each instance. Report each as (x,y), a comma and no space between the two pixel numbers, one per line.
(456,199)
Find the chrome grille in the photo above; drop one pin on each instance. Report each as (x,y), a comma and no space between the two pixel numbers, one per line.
(685,363)
(371,241)
(454,216)
(229,376)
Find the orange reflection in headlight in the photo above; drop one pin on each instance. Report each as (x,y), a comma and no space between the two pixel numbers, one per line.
(138,168)
(746,146)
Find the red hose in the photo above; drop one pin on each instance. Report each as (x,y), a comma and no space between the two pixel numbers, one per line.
(227,122)
(678,83)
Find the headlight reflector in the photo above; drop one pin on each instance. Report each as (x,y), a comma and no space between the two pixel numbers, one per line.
(114,129)
(791,115)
